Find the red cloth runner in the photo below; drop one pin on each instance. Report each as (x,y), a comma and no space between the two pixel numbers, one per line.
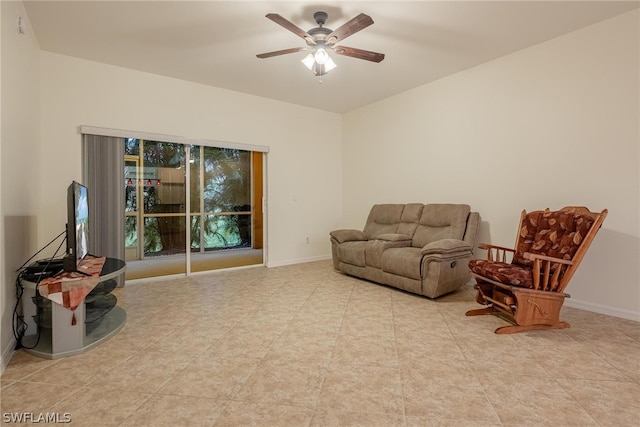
(70,289)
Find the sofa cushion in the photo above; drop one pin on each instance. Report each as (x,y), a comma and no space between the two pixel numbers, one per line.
(410,218)
(383,219)
(446,246)
(441,221)
(405,262)
(502,272)
(352,253)
(375,248)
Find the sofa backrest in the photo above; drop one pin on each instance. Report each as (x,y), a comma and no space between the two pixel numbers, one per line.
(441,221)
(470,234)
(383,219)
(410,218)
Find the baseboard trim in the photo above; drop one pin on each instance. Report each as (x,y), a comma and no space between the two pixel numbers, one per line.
(6,355)
(297,261)
(603,309)
(143,280)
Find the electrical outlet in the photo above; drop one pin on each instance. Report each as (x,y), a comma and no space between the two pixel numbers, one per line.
(307,240)
(21,25)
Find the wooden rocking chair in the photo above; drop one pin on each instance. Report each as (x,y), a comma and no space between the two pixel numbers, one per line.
(528,291)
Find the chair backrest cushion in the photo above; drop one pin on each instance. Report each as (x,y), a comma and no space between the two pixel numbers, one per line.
(441,221)
(382,219)
(552,233)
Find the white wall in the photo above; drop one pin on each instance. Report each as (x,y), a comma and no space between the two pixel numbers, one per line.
(20,179)
(303,166)
(553,125)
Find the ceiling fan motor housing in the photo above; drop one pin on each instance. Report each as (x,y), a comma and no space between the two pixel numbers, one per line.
(320,18)
(320,33)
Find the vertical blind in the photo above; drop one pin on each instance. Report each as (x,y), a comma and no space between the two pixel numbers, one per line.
(102,171)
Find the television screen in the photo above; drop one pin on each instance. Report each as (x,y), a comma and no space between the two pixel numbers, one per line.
(82,222)
(77,221)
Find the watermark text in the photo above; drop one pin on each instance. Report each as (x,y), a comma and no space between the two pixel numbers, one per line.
(32,417)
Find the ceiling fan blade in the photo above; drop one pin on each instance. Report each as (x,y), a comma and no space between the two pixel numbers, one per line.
(281,52)
(359,53)
(291,27)
(350,27)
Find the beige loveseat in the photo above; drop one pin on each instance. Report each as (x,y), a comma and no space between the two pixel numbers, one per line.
(424,249)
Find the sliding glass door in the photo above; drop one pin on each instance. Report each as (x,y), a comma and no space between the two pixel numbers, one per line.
(225,207)
(222,218)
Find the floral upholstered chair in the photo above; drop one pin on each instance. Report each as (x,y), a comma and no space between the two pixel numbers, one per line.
(529,289)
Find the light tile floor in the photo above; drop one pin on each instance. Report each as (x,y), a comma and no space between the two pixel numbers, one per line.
(303,345)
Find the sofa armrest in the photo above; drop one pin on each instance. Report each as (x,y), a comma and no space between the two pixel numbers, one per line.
(344,235)
(445,246)
(393,237)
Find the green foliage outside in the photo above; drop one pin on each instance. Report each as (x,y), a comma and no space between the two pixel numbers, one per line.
(226,174)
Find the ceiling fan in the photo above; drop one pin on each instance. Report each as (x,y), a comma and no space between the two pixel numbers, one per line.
(321,39)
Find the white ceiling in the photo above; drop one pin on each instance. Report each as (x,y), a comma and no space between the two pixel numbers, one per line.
(216,42)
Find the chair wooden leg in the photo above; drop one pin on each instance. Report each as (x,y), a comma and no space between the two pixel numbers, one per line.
(481,311)
(511,329)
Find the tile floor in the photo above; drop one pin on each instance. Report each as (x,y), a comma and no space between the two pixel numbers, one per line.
(303,345)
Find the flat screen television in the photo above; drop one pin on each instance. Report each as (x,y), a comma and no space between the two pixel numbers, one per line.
(77,225)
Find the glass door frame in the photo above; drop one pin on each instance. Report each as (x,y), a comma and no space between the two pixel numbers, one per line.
(136,253)
(187,209)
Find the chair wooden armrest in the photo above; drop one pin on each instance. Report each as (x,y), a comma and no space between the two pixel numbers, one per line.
(547,272)
(495,252)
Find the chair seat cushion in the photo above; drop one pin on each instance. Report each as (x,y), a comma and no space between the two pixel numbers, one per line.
(511,274)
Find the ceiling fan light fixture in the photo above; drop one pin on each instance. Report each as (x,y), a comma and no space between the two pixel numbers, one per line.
(308,61)
(319,62)
(329,64)
(321,56)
